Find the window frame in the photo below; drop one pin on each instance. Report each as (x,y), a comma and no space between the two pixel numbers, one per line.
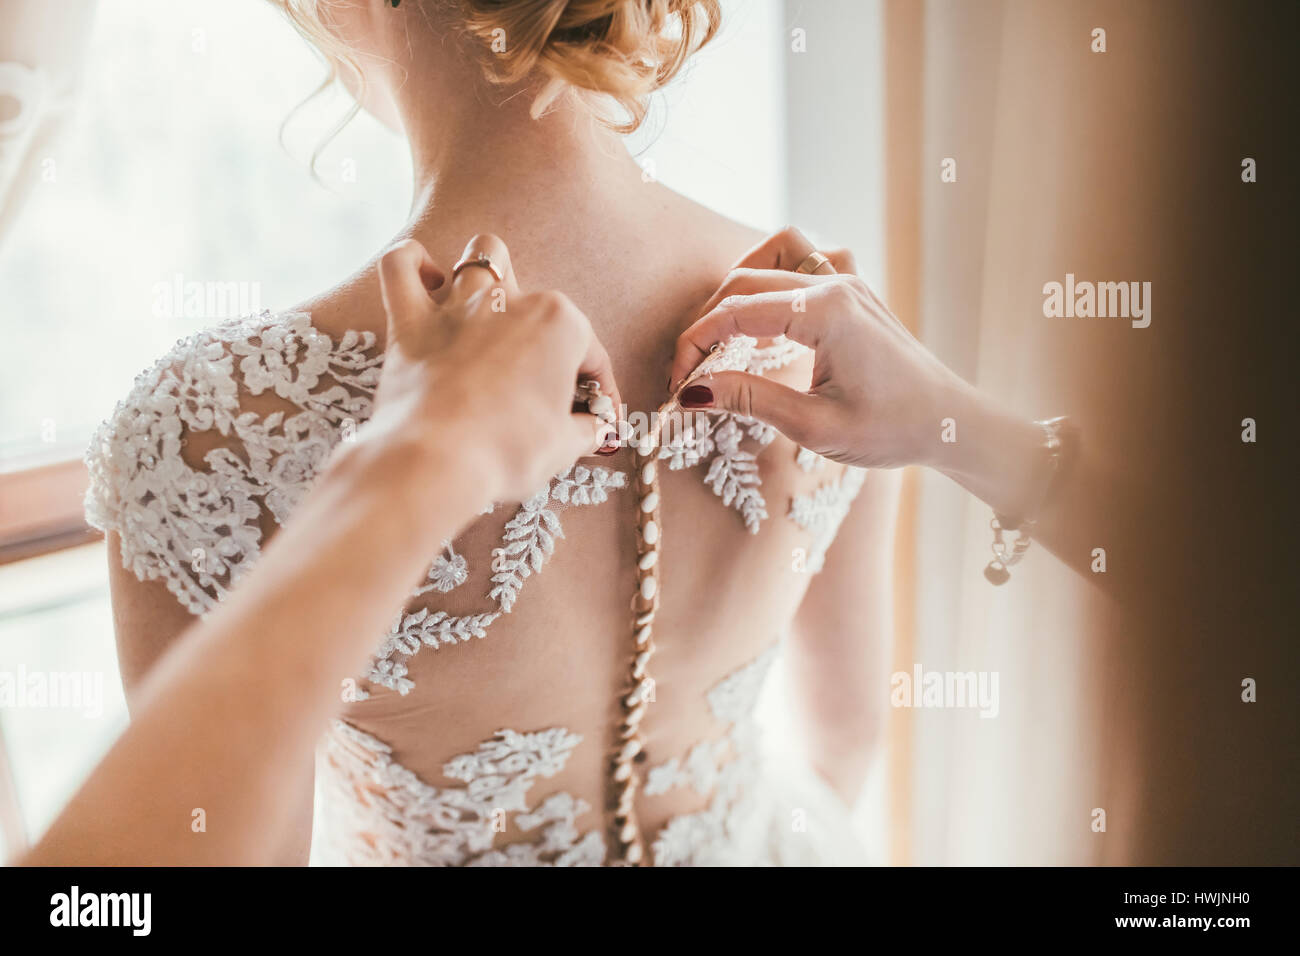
(42,505)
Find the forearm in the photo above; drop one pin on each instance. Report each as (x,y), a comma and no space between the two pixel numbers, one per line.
(228,714)
(999,458)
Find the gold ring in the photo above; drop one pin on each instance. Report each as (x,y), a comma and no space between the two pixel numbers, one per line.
(813,264)
(481,259)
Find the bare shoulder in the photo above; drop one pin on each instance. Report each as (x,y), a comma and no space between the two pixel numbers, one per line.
(354,305)
(730,239)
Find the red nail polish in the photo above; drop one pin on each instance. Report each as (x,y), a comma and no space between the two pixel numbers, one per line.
(607,450)
(697,396)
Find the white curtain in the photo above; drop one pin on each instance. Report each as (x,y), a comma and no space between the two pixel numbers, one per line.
(885,94)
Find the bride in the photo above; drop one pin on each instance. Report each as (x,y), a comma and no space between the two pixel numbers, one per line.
(483,729)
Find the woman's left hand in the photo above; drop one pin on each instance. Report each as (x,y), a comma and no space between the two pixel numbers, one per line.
(877,394)
(878,399)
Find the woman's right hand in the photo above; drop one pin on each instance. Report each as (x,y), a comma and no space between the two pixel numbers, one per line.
(476,370)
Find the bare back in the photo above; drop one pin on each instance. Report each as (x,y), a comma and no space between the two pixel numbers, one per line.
(483,730)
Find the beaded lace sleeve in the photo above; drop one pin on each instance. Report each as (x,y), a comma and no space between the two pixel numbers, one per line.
(196,524)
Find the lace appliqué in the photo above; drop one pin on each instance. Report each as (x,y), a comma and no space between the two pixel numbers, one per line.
(390,816)
(822,512)
(699,771)
(704,838)
(716,437)
(377,812)
(733,475)
(448,572)
(808,460)
(197,530)
(527,543)
(530,535)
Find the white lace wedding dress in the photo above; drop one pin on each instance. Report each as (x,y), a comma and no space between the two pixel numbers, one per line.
(198,527)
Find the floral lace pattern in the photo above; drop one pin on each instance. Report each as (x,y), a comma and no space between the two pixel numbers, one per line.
(196,525)
(733,471)
(808,460)
(379,813)
(197,529)
(448,572)
(528,541)
(708,838)
(716,437)
(823,511)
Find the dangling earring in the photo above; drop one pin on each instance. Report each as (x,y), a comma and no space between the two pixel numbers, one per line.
(395,3)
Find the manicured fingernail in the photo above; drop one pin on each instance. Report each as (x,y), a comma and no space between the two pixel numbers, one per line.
(607,435)
(697,396)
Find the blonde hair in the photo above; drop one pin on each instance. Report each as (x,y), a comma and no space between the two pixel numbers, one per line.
(305,15)
(606,51)
(620,49)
